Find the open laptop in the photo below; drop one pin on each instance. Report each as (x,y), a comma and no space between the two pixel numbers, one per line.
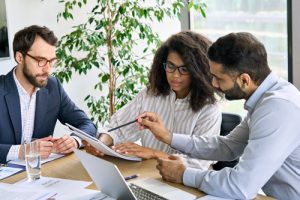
(110,181)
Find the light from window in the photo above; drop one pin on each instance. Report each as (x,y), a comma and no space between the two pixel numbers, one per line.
(266,19)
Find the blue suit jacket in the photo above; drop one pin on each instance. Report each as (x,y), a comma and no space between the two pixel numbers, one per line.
(52,103)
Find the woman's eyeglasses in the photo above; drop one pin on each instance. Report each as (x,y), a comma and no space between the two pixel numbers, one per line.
(171,68)
(43,61)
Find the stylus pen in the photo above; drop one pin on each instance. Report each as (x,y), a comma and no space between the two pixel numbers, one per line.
(131,177)
(122,125)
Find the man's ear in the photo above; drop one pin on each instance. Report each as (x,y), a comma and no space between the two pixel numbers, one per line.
(19,57)
(245,80)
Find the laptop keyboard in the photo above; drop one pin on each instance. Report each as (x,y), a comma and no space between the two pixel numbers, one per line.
(143,194)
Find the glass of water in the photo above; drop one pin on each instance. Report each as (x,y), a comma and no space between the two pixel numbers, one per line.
(33,160)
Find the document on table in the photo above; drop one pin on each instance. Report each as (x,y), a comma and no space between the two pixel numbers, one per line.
(13,192)
(60,186)
(8,171)
(53,156)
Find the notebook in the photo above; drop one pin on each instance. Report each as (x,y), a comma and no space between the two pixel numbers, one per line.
(110,181)
(99,145)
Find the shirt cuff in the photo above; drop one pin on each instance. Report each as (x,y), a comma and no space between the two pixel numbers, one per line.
(190,176)
(113,136)
(13,153)
(179,142)
(78,140)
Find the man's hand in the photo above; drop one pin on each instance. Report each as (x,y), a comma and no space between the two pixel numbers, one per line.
(131,148)
(171,169)
(65,144)
(22,152)
(104,138)
(92,150)
(45,147)
(152,122)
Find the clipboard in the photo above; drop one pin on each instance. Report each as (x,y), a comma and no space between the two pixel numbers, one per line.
(100,145)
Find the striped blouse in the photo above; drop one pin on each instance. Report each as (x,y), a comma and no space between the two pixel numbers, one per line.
(176,114)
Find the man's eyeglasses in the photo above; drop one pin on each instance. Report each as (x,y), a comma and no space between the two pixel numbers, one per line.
(171,68)
(43,61)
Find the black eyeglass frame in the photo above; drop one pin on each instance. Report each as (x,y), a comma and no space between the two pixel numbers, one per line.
(181,69)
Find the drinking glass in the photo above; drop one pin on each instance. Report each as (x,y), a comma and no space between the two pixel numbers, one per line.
(33,160)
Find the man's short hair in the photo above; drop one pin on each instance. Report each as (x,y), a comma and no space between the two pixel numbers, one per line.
(241,53)
(24,38)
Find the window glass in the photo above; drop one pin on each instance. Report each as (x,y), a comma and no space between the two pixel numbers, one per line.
(266,19)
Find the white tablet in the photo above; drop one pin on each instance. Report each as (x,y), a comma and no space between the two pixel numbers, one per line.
(99,145)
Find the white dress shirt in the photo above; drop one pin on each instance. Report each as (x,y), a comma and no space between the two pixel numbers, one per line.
(27,105)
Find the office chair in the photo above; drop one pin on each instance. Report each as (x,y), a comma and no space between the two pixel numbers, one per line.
(229,122)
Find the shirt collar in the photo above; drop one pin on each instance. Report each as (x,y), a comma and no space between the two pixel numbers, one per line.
(271,79)
(20,88)
(173,95)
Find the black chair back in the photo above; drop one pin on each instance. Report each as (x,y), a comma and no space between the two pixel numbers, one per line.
(229,122)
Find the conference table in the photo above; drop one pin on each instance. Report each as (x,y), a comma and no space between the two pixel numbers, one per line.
(69,167)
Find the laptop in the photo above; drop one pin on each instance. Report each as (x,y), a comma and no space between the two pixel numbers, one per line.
(110,181)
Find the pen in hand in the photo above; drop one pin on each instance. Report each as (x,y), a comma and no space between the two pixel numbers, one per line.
(122,125)
(131,177)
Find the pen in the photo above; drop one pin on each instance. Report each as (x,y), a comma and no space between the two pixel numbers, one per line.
(131,177)
(122,125)
(52,197)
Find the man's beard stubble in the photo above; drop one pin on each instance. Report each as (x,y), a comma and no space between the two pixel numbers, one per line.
(33,79)
(234,93)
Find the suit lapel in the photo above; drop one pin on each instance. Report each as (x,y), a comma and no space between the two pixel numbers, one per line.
(13,104)
(40,109)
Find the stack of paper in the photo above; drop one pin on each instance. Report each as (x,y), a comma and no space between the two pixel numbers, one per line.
(13,192)
(8,171)
(63,188)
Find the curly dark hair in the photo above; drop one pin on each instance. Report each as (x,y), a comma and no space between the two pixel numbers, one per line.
(192,49)
(241,53)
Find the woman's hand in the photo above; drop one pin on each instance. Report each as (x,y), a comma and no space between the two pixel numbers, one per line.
(131,148)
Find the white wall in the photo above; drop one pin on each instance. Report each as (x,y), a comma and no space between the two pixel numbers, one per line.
(22,13)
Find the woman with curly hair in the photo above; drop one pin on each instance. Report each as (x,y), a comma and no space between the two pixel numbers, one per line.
(179,90)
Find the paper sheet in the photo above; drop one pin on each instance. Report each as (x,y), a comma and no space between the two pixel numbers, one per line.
(60,186)
(13,192)
(8,171)
(52,156)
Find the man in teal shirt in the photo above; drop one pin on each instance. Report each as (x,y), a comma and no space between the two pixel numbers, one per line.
(267,141)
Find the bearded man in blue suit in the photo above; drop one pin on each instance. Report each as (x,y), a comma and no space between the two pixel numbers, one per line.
(31,101)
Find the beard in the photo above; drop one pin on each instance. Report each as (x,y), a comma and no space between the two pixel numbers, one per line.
(32,79)
(234,93)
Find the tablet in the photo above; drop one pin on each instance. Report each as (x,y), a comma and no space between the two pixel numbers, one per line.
(100,145)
